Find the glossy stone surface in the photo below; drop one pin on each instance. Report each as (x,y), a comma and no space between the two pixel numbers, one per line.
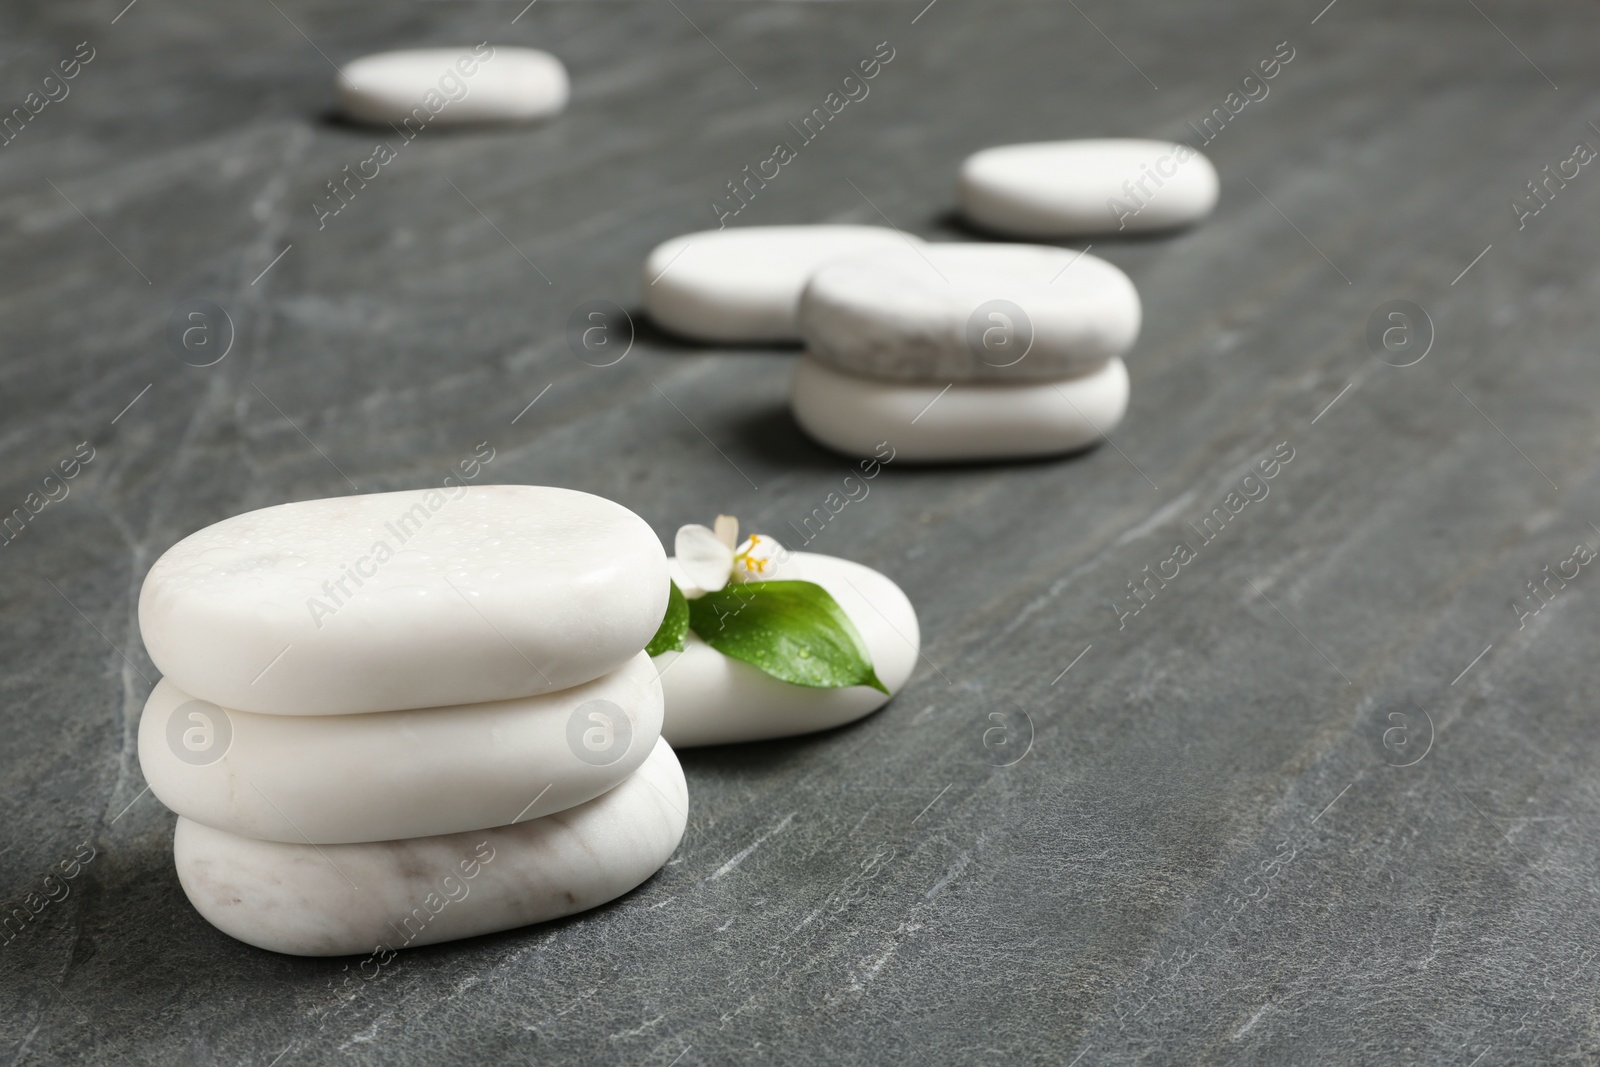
(970,312)
(1055,189)
(935,422)
(338,900)
(482,83)
(886,890)
(743,284)
(420,599)
(331,779)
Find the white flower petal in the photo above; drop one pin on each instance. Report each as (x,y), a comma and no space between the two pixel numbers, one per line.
(727,529)
(705,560)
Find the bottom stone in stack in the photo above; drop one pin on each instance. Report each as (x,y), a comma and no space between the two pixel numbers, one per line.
(334,900)
(936,422)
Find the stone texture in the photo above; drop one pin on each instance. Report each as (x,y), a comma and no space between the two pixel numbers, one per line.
(331,779)
(388,601)
(883,893)
(970,311)
(957,421)
(1056,189)
(380,896)
(742,284)
(453,86)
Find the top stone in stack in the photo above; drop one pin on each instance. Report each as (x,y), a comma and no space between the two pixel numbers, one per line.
(414,599)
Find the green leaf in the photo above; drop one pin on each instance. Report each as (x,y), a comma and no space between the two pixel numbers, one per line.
(669,638)
(794,631)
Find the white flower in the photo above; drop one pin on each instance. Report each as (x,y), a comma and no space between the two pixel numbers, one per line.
(710,558)
(756,559)
(705,556)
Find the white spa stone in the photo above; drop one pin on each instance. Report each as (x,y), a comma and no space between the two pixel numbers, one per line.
(336,900)
(714,700)
(743,284)
(453,86)
(334,779)
(971,421)
(970,312)
(1054,189)
(416,599)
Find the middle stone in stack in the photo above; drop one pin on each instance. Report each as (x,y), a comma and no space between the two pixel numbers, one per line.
(402,718)
(965,351)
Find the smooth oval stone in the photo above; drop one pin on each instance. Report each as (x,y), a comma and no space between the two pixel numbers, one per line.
(334,779)
(743,285)
(453,86)
(970,312)
(1056,189)
(336,900)
(973,421)
(416,599)
(714,700)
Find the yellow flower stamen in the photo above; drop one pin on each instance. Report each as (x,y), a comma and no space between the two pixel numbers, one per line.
(752,563)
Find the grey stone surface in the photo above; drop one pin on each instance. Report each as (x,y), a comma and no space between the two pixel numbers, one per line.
(1206,855)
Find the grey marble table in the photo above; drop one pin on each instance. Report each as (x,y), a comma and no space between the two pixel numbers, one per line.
(1328,796)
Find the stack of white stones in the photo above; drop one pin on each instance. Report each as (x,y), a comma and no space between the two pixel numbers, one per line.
(402,718)
(965,351)
(949,351)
